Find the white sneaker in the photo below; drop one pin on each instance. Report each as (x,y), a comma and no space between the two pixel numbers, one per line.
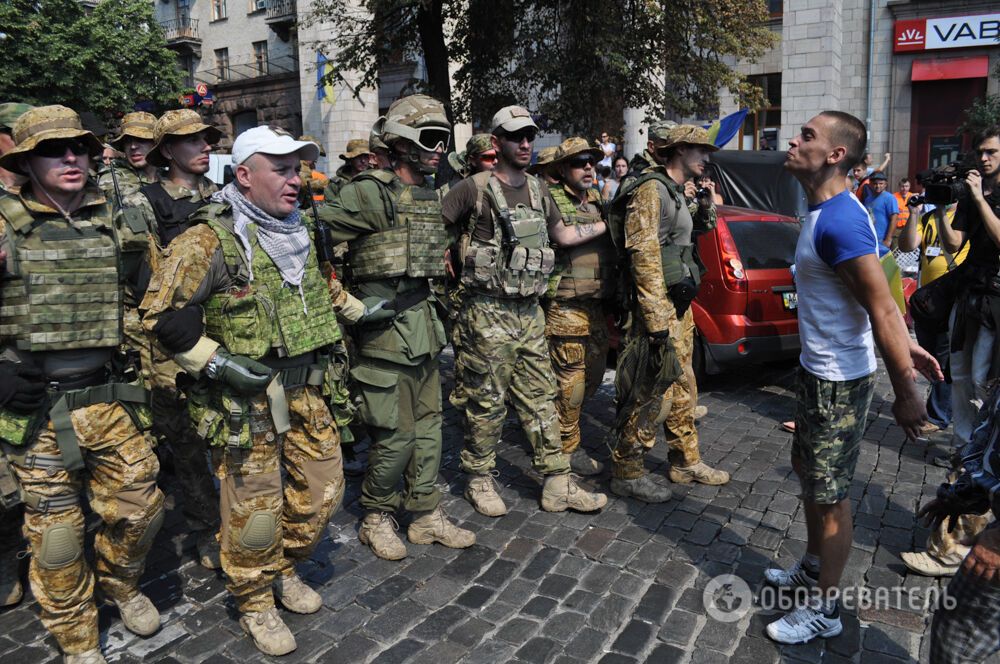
(803,625)
(795,576)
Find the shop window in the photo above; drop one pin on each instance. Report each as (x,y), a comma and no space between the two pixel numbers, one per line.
(775,8)
(761,129)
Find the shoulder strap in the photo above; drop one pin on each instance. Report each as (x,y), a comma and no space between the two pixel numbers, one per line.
(382,178)
(481,180)
(14,212)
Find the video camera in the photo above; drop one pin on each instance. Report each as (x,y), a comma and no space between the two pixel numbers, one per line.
(943,185)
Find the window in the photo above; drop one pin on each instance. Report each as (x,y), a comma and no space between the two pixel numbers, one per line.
(222,63)
(775,8)
(218,10)
(243,121)
(760,129)
(260,57)
(257,6)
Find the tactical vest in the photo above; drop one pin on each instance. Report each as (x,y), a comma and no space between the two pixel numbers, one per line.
(66,292)
(517,260)
(586,270)
(258,317)
(173,216)
(414,244)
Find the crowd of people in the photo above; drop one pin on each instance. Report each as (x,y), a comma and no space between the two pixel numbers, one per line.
(256,329)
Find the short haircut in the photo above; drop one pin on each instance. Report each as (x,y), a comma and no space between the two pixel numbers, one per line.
(986,134)
(849,132)
(903,181)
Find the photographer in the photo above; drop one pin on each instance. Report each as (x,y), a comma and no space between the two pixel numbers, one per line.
(977,308)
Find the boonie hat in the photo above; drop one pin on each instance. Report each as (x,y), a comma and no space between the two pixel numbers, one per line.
(545,157)
(690,135)
(183,122)
(46,123)
(356,147)
(573,146)
(511,118)
(272,141)
(139,125)
(10,112)
(660,130)
(310,139)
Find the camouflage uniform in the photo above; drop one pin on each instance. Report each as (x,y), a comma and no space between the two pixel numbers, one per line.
(90,435)
(130,179)
(356,147)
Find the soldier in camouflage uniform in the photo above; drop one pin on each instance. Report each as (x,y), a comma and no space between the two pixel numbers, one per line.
(72,416)
(584,279)
(542,166)
(181,142)
(9,113)
(260,357)
(357,159)
(133,172)
(504,252)
(392,223)
(665,273)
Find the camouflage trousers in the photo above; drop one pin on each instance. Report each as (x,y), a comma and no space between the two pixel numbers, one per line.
(674,408)
(402,410)
(504,354)
(120,481)
(269,525)
(577,331)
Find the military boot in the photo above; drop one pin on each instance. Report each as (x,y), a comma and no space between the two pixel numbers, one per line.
(11,590)
(482,493)
(563,492)
(583,464)
(139,614)
(700,412)
(269,632)
(378,531)
(699,472)
(209,552)
(295,595)
(641,488)
(434,526)
(92,656)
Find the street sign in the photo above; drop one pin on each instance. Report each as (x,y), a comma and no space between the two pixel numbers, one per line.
(202,89)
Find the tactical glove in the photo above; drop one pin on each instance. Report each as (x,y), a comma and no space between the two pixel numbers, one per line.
(375,311)
(22,387)
(246,376)
(180,330)
(661,338)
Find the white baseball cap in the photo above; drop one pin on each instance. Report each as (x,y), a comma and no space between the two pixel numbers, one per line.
(273,141)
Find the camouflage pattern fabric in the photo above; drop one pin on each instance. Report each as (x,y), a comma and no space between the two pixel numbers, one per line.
(829,422)
(504,354)
(129,180)
(577,331)
(251,485)
(120,481)
(138,200)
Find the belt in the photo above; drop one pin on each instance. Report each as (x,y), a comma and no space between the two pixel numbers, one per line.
(65,402)
(409,299)
(79,382)
(311,374)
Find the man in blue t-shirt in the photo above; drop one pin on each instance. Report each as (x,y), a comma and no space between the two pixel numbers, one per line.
(883,208)
(845,309)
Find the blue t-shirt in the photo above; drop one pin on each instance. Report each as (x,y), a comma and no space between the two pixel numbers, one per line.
(881,207)
(834,329)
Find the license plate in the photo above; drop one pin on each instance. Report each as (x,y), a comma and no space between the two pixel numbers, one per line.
(790,300)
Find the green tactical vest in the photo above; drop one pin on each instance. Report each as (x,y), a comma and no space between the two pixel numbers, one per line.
(262,316)
(412,246)
(509,267)
(586,270)
(66,292)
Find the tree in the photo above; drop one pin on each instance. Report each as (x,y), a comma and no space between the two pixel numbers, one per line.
(104,61)
(983,114)
(577,63)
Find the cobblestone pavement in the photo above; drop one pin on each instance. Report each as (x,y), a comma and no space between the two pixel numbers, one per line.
(622,585)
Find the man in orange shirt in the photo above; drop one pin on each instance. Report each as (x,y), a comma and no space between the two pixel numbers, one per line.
(902,198)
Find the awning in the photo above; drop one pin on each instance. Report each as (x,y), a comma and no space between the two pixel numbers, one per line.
(939,69)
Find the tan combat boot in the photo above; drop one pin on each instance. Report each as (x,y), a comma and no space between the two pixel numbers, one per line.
(700,412)
(92,656)
(269,632)
(11,590)
(563,492)
(295,595)
(209,553)
(698,472)
(482,493)
(434,526)
(378,531)
(139,614)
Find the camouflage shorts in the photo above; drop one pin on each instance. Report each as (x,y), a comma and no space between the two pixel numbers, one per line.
(829,422)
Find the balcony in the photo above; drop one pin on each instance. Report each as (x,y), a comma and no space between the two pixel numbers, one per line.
(182,35)
(252,69)
(280,16)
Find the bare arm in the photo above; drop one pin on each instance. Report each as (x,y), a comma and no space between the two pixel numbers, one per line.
(909,239)
(951,239)
(893,220)
(563,235)
(885,163)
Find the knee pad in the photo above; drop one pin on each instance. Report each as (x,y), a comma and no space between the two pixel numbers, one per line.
(60,547)
(577,394)
(152,527)
(259,532)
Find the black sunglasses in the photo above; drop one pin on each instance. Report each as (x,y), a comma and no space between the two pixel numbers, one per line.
(520,135)
(582,162)
(57,148)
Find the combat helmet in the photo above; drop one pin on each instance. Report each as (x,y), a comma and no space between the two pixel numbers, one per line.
(414,123)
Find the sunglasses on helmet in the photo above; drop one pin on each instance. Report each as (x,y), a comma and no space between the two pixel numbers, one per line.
(57,148)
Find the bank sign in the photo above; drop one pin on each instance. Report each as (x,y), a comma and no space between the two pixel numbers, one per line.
(930,34)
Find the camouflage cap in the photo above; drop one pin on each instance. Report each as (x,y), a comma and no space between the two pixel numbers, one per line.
(183,122)
(139,125)
(660,130)
(310,139)
(10,112)
(511,118)
(457,162)
(46,123)
(691,135)
(479,143)
(573,146)
(544,159)
(356,147)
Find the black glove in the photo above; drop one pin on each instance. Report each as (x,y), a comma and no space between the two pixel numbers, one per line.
(661,338)
(375,311)
(22,387)
(180,330)
(246,376)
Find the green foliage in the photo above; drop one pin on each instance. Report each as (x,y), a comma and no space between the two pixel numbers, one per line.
(983,114)
(578,62)
(55,52)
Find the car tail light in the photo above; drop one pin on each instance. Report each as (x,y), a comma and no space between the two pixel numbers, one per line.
(733,274)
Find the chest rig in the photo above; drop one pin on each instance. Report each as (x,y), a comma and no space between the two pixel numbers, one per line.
(586,270)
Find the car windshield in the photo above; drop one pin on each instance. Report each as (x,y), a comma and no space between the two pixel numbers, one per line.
(765,245)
